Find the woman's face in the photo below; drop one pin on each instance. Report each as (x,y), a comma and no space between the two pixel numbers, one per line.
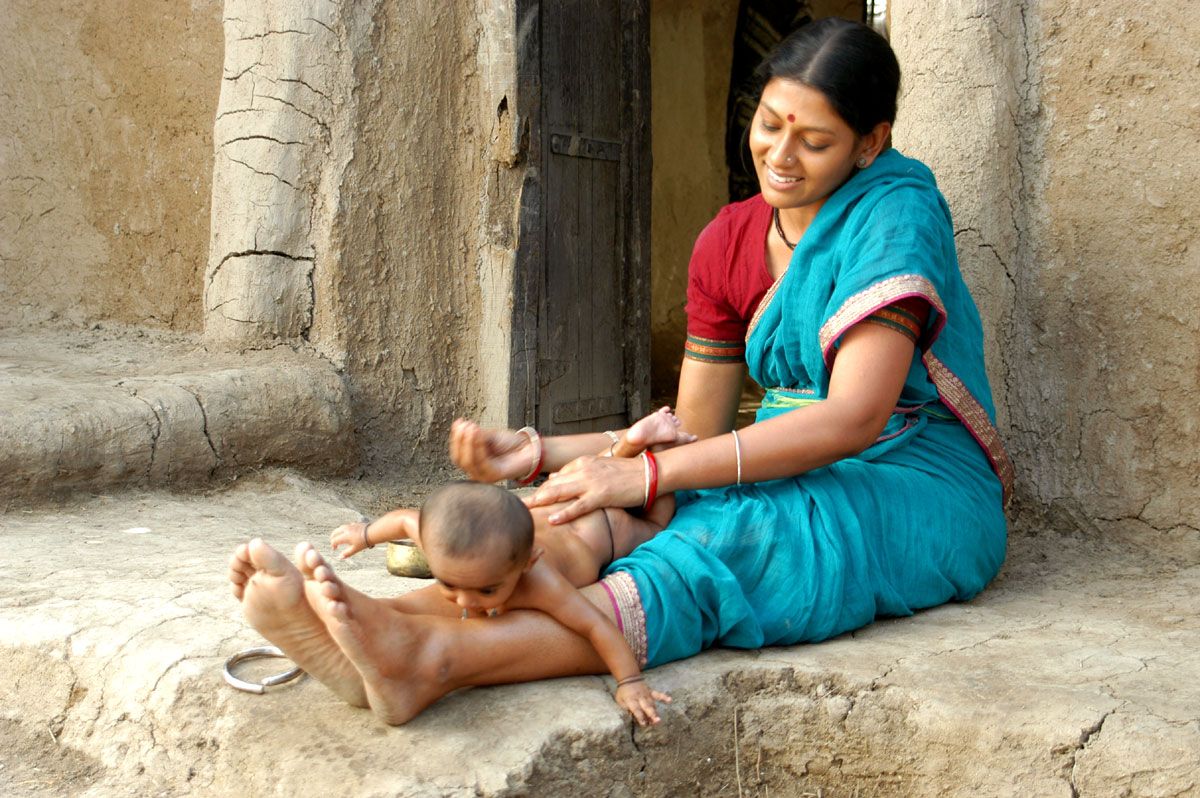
(802,149)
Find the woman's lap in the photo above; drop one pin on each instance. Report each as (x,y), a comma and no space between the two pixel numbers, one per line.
(805,559)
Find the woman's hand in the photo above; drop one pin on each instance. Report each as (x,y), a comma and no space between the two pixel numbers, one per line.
(590,483)
(489,455)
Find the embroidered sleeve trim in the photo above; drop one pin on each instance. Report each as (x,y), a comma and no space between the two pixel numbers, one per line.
(712,351)
(898,319)
(631,617)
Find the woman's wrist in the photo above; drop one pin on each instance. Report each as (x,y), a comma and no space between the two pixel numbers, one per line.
(711,463)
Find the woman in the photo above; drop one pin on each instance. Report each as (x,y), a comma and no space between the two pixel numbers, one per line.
(871,483)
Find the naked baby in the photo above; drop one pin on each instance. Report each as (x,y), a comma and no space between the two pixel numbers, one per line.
(482,553)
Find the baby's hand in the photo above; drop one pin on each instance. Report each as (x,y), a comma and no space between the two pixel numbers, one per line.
(638,698)
(351,535)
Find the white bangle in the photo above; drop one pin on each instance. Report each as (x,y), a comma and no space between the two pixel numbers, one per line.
(737,450)
(535,467)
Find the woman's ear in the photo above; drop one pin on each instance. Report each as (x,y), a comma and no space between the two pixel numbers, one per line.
(873,143)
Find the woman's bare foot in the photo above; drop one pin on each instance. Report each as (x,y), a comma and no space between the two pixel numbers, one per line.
(659,428)
(398,655)
(272,594)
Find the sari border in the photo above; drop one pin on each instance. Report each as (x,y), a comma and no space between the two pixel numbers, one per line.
(966,407)
(879,295)
(631,618)
(953,393)
(763,304)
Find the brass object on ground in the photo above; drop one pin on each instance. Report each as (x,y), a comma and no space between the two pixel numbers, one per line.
(405,559)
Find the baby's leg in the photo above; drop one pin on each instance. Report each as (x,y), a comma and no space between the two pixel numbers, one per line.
(657,429)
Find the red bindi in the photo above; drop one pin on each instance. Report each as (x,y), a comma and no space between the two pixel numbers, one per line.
(791,117)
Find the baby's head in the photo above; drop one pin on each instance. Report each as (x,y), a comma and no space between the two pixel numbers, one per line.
(478,539)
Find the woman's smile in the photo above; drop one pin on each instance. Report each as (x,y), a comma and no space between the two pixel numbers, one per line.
(782,182)
(803,150)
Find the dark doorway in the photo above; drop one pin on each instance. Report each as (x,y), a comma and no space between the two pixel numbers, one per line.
(581,318)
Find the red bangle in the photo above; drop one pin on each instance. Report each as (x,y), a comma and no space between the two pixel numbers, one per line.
(651,480)
(535,440)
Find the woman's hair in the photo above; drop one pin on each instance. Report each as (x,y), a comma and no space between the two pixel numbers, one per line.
(851,64)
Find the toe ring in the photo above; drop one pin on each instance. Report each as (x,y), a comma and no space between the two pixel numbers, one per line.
(260,687)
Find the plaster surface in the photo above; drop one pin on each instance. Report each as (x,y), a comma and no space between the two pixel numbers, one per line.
(105,159)
(1062,135)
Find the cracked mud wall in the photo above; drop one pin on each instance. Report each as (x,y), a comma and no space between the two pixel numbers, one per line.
(105,159)
(1063,135)
(405,299)
(366,182)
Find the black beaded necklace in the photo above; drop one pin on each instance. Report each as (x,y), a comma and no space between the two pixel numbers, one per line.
(779,229)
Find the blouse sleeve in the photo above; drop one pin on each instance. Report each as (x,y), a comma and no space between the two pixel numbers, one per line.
(716,332)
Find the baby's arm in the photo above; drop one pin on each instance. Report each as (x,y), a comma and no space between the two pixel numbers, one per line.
(396,525)
(553,594)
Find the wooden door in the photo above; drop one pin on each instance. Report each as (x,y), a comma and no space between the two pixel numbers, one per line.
(581,319)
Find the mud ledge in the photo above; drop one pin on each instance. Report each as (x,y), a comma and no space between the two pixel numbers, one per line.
(1072,675)
(105,406)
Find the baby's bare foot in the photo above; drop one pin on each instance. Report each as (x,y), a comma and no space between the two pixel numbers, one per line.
(272,594)
(660,427)
(397,655)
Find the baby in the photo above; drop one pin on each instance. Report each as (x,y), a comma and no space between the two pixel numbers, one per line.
(479,542)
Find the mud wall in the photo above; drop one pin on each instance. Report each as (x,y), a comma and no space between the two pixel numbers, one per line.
(365,192)
(1061,133)
(105,158)
(416,295)
(691,49)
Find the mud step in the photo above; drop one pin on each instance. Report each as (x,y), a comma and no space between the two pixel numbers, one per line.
(100,408)
(1073,674)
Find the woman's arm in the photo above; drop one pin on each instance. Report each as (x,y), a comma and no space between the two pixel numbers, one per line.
(709,394)
(868,375)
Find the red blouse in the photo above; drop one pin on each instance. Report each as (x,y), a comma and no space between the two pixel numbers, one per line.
(728,278)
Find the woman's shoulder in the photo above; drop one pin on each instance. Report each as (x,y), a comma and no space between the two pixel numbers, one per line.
(734,222)
(737,215)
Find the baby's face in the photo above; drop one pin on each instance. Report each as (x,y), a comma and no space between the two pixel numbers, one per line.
(476,583)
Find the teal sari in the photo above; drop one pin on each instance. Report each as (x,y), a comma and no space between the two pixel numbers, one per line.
(914,521)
